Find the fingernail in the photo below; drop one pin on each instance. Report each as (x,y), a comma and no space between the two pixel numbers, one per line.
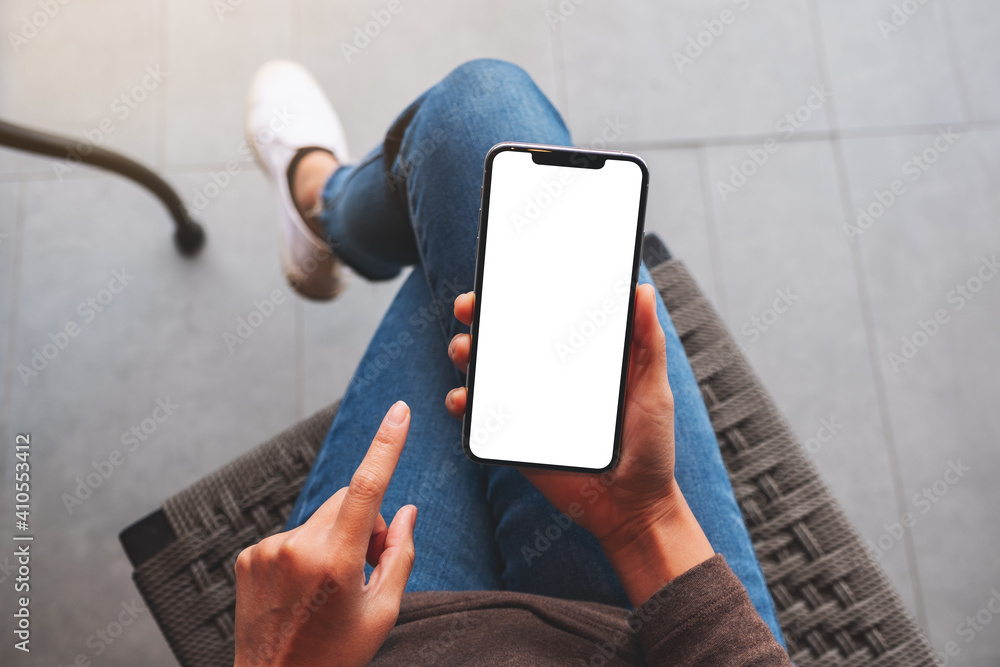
(413,517)
(397,413)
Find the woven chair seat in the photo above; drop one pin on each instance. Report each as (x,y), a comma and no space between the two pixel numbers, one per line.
(835,604)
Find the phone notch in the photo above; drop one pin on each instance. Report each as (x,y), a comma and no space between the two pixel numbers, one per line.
(579,160)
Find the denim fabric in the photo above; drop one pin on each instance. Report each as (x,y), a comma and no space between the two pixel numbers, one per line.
(414,201)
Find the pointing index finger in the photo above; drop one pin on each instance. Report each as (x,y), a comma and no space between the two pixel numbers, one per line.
(363,499)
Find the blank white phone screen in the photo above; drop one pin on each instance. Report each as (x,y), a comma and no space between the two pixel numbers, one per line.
(560,246)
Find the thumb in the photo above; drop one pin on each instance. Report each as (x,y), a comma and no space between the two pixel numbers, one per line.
(396,562)
(648,340)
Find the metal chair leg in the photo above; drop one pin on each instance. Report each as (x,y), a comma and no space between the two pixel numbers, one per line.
(189,235)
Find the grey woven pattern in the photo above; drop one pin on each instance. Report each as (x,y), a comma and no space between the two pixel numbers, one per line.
(190,586)
(834,603)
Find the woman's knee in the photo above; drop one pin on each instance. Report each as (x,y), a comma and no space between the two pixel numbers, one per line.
(485,92)
(486,76)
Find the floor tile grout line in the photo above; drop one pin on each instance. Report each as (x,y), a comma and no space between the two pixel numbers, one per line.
(558,65)
(92,173)
(653,144)
(15,308)
(300,366)
(881,393)
(296,29)
(951,45)
(806,136)
(867,317)
(712,232)
(162,53)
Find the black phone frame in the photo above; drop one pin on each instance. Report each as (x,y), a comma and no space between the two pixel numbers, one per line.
(563,156)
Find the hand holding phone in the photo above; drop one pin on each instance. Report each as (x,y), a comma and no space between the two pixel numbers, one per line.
(570,222)
(636,511)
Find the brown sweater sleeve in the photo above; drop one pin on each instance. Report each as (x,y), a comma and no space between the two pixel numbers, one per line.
(705,617)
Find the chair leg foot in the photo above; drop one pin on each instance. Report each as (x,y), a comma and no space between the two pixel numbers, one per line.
(189,238)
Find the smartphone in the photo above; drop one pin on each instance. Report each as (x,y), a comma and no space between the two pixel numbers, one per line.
(557,259)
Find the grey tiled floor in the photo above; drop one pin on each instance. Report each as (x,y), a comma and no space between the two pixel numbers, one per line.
(826,358)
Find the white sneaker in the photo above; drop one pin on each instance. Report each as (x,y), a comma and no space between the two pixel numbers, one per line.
(287,111)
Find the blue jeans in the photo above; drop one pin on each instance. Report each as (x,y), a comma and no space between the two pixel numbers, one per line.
(414,201)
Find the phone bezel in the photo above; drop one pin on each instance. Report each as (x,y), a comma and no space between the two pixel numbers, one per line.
(580,158)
